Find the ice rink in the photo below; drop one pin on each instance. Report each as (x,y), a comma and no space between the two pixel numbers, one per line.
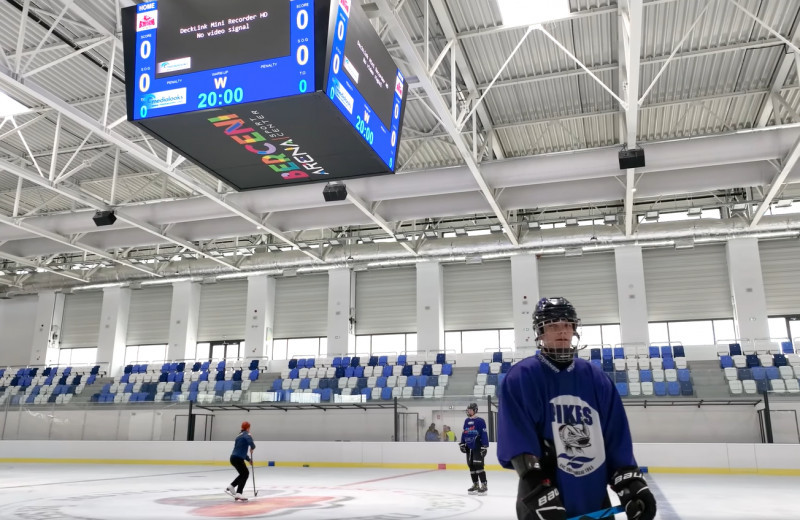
(133,492)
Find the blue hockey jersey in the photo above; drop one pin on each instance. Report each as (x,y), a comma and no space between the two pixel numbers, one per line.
(577,409)
(474,434)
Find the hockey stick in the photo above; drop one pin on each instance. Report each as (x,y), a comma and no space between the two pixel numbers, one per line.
(253,468)
(602,513)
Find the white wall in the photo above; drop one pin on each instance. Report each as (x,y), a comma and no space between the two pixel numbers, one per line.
(17,325)
(657,457)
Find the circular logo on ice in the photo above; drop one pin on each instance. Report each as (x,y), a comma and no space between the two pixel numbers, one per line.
(312,503)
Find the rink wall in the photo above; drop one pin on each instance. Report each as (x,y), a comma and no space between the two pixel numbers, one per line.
(770,459)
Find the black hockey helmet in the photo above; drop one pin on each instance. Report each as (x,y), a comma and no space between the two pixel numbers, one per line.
(553,310)
(473,407)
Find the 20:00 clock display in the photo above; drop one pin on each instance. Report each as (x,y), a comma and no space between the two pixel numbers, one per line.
(212,99)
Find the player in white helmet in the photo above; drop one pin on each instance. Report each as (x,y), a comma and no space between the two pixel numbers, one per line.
(562,427)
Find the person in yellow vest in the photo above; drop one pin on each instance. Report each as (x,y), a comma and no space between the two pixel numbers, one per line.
(449,435)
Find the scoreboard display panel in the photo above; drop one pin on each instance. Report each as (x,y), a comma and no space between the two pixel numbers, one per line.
(363,81)
(199,54)
(264,93)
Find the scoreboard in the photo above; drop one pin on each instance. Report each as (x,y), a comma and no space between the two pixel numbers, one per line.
(265,93)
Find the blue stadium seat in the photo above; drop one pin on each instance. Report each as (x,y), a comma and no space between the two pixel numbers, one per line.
(311,362)
(355,361)
(654,352)
(417,391)
(386,371)
(491,379)
(607,354)
(294,373)
(362,382)
(762,385)
(337,362)
(483,368)
(787,347)
(349,372)
(619,353)
(367,392)
(383,360)
(666,351)
(253,365)
(500,378)
(91,379)
(196,366)
(497,357)
(743,374)
(752,361)
(779,360)
(380,382)
(683,374)
(373,361)
(386,393)
(325,395)
(434,380)
(301,363)
(608,365)
(447,369)
(441,359)
(759,373)
(735,349)
(668,363)
(621,377)
(773,373)
(407,371)
(594,353)
(673,388)
(411,381)
(128,369)
(323,383)
(304,383)
(340,371)
(678,351)
(427,370)
(359,371)
(505,367)
(646,376)
(686,388)
(401,359)
(345,361)
(205,366)
(660,388)
(422,381)
(221,375)
(622,388)
(277,384)
(725,361)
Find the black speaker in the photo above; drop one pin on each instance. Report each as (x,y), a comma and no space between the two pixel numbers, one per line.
(633,158)
(104,218)
(334,192)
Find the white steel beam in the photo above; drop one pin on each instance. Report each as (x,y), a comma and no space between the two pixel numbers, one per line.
(448,28)
(787,166)
(42,266)
(364,208)
(630,53)
(420,70)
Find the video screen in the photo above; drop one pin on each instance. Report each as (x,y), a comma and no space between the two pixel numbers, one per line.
(369,66)
(197,35)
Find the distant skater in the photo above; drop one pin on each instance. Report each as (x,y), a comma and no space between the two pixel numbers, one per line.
(238,458)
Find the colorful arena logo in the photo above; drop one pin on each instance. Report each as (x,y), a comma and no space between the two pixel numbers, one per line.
(292,163)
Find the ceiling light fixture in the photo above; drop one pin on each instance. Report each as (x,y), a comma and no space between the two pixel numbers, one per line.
(517,13)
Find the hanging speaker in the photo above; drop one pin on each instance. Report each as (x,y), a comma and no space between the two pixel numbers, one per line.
(633,158)
(104,218)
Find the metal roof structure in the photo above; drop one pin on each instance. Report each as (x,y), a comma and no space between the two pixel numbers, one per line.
(509,132)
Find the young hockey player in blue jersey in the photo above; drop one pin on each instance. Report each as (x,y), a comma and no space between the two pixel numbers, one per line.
(562,427)
(474,441)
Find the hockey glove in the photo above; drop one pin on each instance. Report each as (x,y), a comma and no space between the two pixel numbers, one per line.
(483,452)
(639,503)
(536,498)
(543,503)
(463,447)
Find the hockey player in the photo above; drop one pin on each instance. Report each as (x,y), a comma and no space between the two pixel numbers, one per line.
(562,427)
(474,441)
(239,455)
